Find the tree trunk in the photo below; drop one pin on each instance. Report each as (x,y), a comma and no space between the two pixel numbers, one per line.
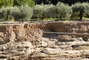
(37,18)
(60,18)
(81,15)
(42,17)
(7,17)
(22,21)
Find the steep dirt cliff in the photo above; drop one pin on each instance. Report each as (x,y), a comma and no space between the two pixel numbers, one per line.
(44,41)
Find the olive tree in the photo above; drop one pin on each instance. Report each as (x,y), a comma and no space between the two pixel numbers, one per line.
(80,8)
(44,11)
(38,11)
(50,11)
(22,13)
(5,12)
(63,10)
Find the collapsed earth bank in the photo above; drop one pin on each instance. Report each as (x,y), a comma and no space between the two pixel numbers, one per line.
(44,41)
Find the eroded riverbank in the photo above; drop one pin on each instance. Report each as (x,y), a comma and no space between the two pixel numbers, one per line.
(44,41)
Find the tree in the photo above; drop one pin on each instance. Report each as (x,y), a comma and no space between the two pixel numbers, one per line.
(31,3)
(54,2)
(38,11)
(63,10)
(43,11)
(51,12)
(80,8)
(6,3)
(5,12)
(42,1)
(22,13)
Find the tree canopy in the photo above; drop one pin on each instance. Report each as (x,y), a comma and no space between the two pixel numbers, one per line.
(24,2)
(33,2)
(80,8)
(64,11)
(70,2)
(6,3)
(10,3)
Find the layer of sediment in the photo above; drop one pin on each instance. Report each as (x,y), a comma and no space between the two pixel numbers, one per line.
(44,41)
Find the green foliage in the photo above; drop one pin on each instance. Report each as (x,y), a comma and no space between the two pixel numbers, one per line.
(31,3)
(54,2)
(22,13)
(51,12)
(41,11)
(38,11)
(9,3)
(5,12)
(80,9)
(19,13)
(63,10)
(6,3)
(87,10)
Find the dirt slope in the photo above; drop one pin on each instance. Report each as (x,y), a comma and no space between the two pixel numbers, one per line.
(44,41)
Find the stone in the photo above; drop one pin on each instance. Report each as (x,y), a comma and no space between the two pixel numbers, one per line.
(43,44)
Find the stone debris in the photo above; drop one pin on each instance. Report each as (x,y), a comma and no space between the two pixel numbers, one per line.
(28,42)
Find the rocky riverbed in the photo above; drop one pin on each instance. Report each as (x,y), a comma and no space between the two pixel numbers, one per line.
(44,41)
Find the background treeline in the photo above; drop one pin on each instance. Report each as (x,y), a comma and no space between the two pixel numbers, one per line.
(32,2)
(70,2)
(62,11)
(26,9)
(10,3)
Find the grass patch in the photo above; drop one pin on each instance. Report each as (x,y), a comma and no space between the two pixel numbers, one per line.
(75,18)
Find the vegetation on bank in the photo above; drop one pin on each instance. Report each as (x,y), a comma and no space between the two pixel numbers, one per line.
(27,10)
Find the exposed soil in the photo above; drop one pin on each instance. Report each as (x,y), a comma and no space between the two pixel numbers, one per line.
(44,41)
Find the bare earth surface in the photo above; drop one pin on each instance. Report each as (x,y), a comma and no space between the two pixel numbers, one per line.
(44,41)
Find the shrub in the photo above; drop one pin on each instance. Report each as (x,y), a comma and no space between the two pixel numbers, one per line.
(80,9)
(22,13)
(63,10)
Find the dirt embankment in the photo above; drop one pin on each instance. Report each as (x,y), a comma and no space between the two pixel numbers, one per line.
(78,27)
(43,41)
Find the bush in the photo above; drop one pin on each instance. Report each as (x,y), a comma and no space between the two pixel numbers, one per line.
(63,10)
(22,13)
(80,9)
(5,12)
